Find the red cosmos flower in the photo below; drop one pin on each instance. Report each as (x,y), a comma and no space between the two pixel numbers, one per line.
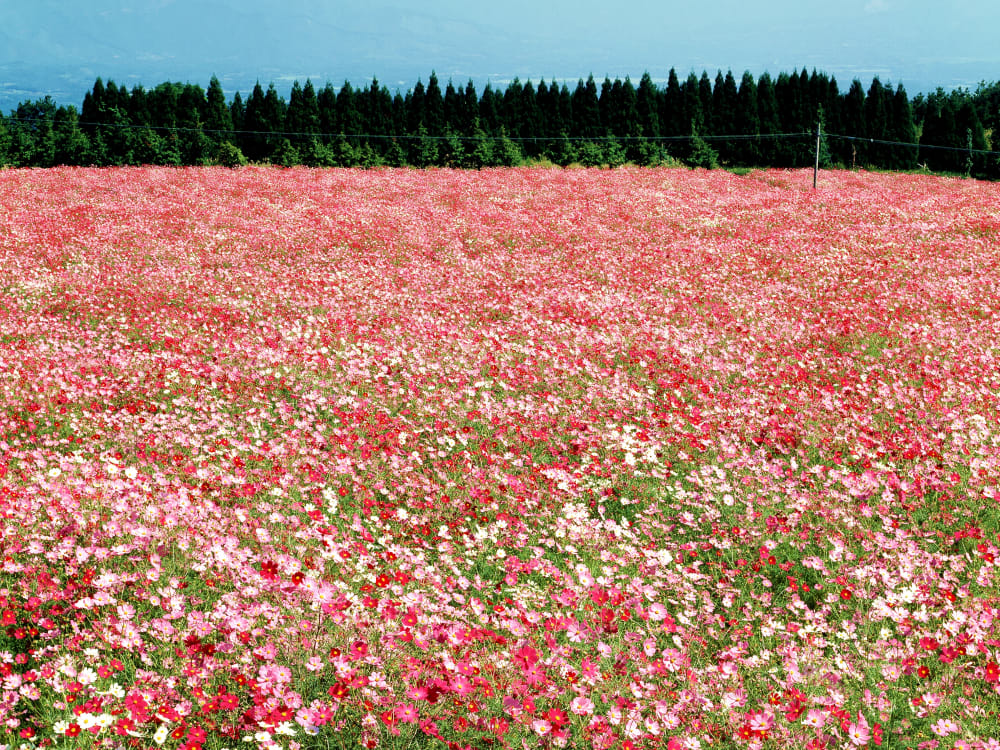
(556,716)
(992,675)
(269,570)
(845,594)
(923,672)
(73,730)
(525,656)
(339,691)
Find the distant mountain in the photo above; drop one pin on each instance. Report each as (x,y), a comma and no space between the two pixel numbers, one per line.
(58,47)
(165,40)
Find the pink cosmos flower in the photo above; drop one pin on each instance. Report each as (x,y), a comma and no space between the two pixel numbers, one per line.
(859,734)
(461,685)
(407,713)
(541,727)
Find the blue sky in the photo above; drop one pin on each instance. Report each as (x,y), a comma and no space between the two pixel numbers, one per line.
(59,47)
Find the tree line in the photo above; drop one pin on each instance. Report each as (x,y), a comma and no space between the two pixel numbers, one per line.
(698,121)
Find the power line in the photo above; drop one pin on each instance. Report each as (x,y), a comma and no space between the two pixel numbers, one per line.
(401,136)
(300,135)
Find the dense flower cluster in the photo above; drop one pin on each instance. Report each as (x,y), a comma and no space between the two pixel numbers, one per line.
(524,458)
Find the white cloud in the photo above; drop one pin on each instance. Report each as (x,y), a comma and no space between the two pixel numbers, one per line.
(877,6)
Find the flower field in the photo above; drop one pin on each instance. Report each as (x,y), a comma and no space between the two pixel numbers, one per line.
(511,459)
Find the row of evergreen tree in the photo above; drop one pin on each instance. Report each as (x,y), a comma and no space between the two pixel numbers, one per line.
(700,121)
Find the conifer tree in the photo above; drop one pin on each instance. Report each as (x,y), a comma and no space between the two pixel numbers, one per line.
(415,105)
(693,112)
(469,110)
(607,106)
(648,107)
(434,106)
(769,120)
(326,102)
(237,114)
(672,114)
(705,101)
(854,152)
(747,120)
(489,111)
(530,121)
(138,107)
(218,119)
(876,124)
(586,110)
(902,130)
(71,144)
(254,140)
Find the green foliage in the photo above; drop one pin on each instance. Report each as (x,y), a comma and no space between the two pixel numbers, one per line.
(701,155)
(229,155)
(286,155)
(597,125)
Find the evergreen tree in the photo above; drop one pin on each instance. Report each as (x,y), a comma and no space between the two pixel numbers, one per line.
(876,125)
(833,108)
(138,107)
(511,111)
(693,118)
(548,112)
(607,106)
(452,107)
(349,120)
(254,140)
(376,107)
(423,148)
(274,116)
(33,143)
(790,152)
(626,123)
(71,144)
(747,120)
(648,107)
(967,124)
(237,114)
(672,114)
(195,147)
(586,110)
(719,115)
(93,107)
(451,152)
(326,102)
(489,110)
(480,153)
(902,130)
(218,118)
(468,110)
(705,121)
(5,142)
(724,111)
(415,105)
(531,121)
(434,107)
(769,120)
(854,152)
(303,110)
(940,131)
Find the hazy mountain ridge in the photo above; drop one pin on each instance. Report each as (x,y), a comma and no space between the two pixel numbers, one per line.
(59,47)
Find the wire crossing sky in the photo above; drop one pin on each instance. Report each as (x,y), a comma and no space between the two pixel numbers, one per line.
(59,47)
